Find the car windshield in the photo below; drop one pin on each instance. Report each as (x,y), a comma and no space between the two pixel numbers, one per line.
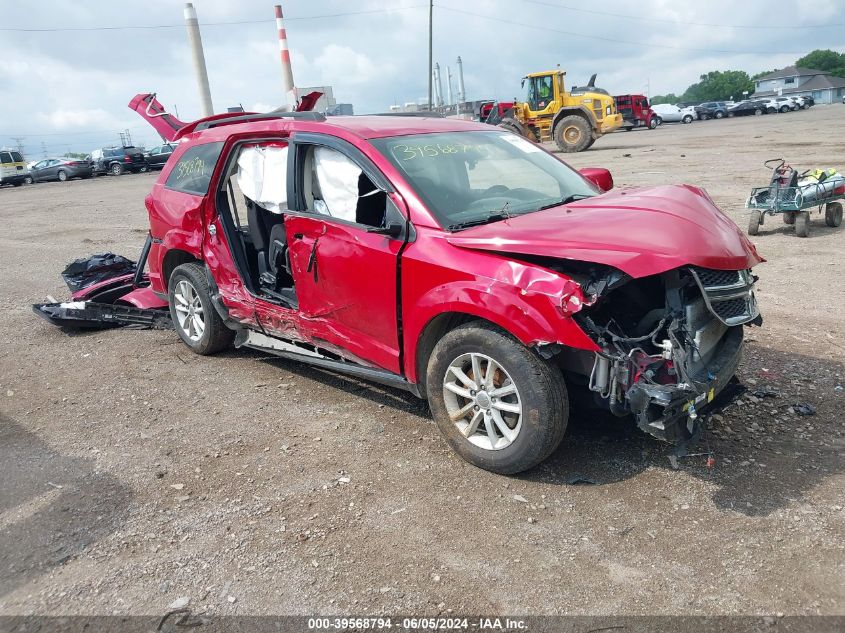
(470,178)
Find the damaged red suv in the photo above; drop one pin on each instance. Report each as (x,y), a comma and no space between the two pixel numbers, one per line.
(459,262)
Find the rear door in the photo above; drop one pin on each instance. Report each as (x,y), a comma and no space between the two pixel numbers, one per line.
(345,273)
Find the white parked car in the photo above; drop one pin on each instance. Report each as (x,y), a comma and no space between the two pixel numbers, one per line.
(673,114)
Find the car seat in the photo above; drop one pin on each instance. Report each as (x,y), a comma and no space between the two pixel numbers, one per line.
(270,241)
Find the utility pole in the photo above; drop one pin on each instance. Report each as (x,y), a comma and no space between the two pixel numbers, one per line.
(195,44)
(430,32)
(19,143)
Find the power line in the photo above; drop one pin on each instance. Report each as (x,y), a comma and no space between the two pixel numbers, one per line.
(684,22)
(615,39)
(148,27)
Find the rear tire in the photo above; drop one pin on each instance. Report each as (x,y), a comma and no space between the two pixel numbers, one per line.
(62,175)
(29,180)
(754,222)
(687,119)
(802,224)
(572,134)
(789,218)
(116,169)
(194,317)
(833,214)
(538,394)
(758,112)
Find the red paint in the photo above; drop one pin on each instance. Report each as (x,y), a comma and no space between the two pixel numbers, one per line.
(641,231)
(144,298)
(351,306)
(599,176)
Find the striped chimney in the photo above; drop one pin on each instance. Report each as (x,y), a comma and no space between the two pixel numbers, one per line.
(287,71)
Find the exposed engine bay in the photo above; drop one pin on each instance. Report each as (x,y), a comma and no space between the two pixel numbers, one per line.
(669,343)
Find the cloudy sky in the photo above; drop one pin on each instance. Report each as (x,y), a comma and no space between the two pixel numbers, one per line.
(68,69)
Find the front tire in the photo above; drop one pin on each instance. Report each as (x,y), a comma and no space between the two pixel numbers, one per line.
(754,222)
(29,180)
(802,224)
(62,175)
(572,133)
(498,405)
(194,317)
(687,119)
(719,114)
(116,169)
(653,123)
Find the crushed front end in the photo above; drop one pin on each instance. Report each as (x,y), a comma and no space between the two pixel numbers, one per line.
(670,343)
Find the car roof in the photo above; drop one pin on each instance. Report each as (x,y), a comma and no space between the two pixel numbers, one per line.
(365,127)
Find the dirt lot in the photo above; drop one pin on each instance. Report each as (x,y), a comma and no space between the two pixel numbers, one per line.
(135,473)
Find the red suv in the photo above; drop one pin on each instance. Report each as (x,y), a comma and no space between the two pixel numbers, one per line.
(464,264)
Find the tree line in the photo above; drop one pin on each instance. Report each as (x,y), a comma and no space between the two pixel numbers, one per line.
(722,85)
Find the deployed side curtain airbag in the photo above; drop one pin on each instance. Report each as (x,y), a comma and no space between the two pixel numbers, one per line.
(262,176)
(338,179)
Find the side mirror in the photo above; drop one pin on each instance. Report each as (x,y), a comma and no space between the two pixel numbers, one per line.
(391,230)
(599,176)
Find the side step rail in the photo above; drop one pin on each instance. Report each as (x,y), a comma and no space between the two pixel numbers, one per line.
(284,349)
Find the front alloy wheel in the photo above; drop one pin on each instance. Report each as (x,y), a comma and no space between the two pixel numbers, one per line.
(193,314)
(497,403)
(482,401)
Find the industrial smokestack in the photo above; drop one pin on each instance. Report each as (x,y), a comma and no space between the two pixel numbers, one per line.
(462,95)
(449,83)
(438,84)
(195,43)
(288,87)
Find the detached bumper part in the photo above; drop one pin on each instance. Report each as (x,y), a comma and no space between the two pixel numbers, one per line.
(91,315)
(669,412)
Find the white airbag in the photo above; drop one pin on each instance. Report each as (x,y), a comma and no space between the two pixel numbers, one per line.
(262,176)
(338,180)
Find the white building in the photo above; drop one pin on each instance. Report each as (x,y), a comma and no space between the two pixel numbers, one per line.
(819,84)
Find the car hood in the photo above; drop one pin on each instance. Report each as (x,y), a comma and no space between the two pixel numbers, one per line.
(640,231)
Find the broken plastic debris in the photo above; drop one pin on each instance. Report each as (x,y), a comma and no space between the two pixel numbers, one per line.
(804,408)
(766,391)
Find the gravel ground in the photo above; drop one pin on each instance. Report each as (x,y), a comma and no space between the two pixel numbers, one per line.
(137,475)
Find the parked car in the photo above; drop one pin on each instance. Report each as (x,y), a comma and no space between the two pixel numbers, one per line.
(668,113)
(745,108)
(464,264)
(13,169)
(157,156)
(711,110)
(785,104)
(61,169)
(116,160)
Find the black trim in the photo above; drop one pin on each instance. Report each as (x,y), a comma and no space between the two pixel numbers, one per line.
(138,279)
(380,376)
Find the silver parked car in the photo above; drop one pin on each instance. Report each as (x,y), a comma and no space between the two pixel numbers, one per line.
(673,114)
(59,169)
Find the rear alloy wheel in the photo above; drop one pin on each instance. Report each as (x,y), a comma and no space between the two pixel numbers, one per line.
(789,218)
(833,214)
(116,169)
(757,112)
(572,133)
(719,114)
(802,224)
(754,222)
(194,316)
(498,404)
(62,175)
(28,180)
(784,109)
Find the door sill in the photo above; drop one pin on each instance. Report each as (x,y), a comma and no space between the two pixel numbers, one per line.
(313,356)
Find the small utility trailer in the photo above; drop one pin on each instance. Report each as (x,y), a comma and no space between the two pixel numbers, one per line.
(795,196)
